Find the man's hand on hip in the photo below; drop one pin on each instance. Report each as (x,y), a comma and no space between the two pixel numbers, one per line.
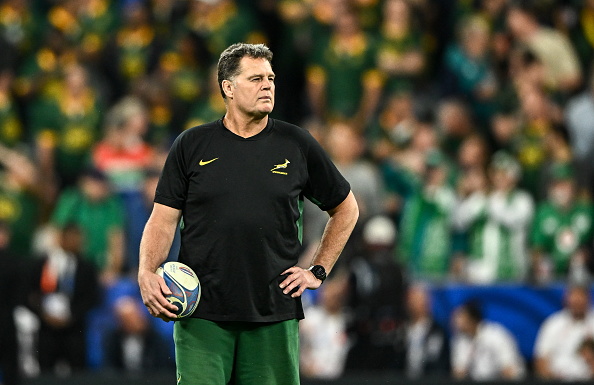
(298,279)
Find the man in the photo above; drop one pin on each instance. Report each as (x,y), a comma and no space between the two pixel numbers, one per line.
(556,349)
(551,47)
(64,287)
(239,184)
(483,350)
(578,113)
(376,291)
(99,214)
(135,346)
(562,230)
(426,343)
(496,223)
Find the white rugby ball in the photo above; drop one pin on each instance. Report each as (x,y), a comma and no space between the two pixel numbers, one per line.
(184,285)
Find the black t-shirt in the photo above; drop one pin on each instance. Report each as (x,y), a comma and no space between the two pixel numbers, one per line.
(241,202)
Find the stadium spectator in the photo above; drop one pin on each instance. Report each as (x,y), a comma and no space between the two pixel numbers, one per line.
(579,112)
(496,222)
(134,346)
(551,47)
(133,49)
(221,23)
(65,125)
(20,23)
(473,154)
(323,334)
(483,350)
(454,123)
(100,216)
(85,24)
(39,72)
(11,126)
(210,106)
(346,146)
(123,154)
(165,14)
(400,52)
(427,347)
(376,297)
(556,355)
(182,72)
(390,138)
(64,287)
(577,20)
(468,69)
(393,127)
(562,230)
(342,79)
(23,196)
(425,241)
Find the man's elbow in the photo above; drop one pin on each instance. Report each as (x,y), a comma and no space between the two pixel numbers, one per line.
(355,209)
(350,208)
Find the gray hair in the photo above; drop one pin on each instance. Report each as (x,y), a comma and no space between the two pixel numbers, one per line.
(123,111)
(228,67)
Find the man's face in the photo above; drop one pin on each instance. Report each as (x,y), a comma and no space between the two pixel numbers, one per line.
(462,322)
(252,91)
(577,302)
(561,193)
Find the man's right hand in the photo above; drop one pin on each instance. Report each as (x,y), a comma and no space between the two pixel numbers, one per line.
(153,290)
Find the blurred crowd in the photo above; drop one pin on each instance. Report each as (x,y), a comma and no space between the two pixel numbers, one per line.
(465,127)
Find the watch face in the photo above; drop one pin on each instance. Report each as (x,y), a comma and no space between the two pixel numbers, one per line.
(319,272)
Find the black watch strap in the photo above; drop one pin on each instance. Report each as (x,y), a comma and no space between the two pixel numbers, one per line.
(319,272)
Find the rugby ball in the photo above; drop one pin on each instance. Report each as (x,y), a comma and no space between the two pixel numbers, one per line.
(184,286)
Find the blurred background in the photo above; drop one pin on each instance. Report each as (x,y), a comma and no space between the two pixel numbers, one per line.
(466,130)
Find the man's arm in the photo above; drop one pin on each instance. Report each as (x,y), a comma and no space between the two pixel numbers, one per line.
(155,244)
(336,234)
(542,368)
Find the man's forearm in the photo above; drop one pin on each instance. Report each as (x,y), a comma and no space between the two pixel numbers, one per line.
(337,232)
(154,246)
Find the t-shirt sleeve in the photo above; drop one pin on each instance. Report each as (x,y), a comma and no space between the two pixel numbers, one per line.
(173,184)
(326,187)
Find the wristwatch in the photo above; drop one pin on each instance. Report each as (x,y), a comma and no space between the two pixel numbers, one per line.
(319,272)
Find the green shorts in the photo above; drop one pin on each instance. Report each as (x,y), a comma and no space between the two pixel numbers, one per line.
(240,353)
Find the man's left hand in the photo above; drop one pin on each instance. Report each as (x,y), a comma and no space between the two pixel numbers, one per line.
(298,279)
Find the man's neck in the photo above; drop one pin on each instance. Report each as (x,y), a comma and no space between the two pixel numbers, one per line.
(244,126)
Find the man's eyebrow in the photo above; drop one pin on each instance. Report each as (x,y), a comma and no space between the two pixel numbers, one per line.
(261,75)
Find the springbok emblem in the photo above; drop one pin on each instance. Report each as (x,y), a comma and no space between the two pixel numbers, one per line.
(279,166)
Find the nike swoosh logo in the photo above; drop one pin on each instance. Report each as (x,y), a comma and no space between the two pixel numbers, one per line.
(202,163)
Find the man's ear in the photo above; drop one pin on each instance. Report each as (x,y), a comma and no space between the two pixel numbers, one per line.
(227,88)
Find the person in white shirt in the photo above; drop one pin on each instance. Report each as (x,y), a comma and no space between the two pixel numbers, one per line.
(556,349)
(324,342)
(426,344)
(483,350)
